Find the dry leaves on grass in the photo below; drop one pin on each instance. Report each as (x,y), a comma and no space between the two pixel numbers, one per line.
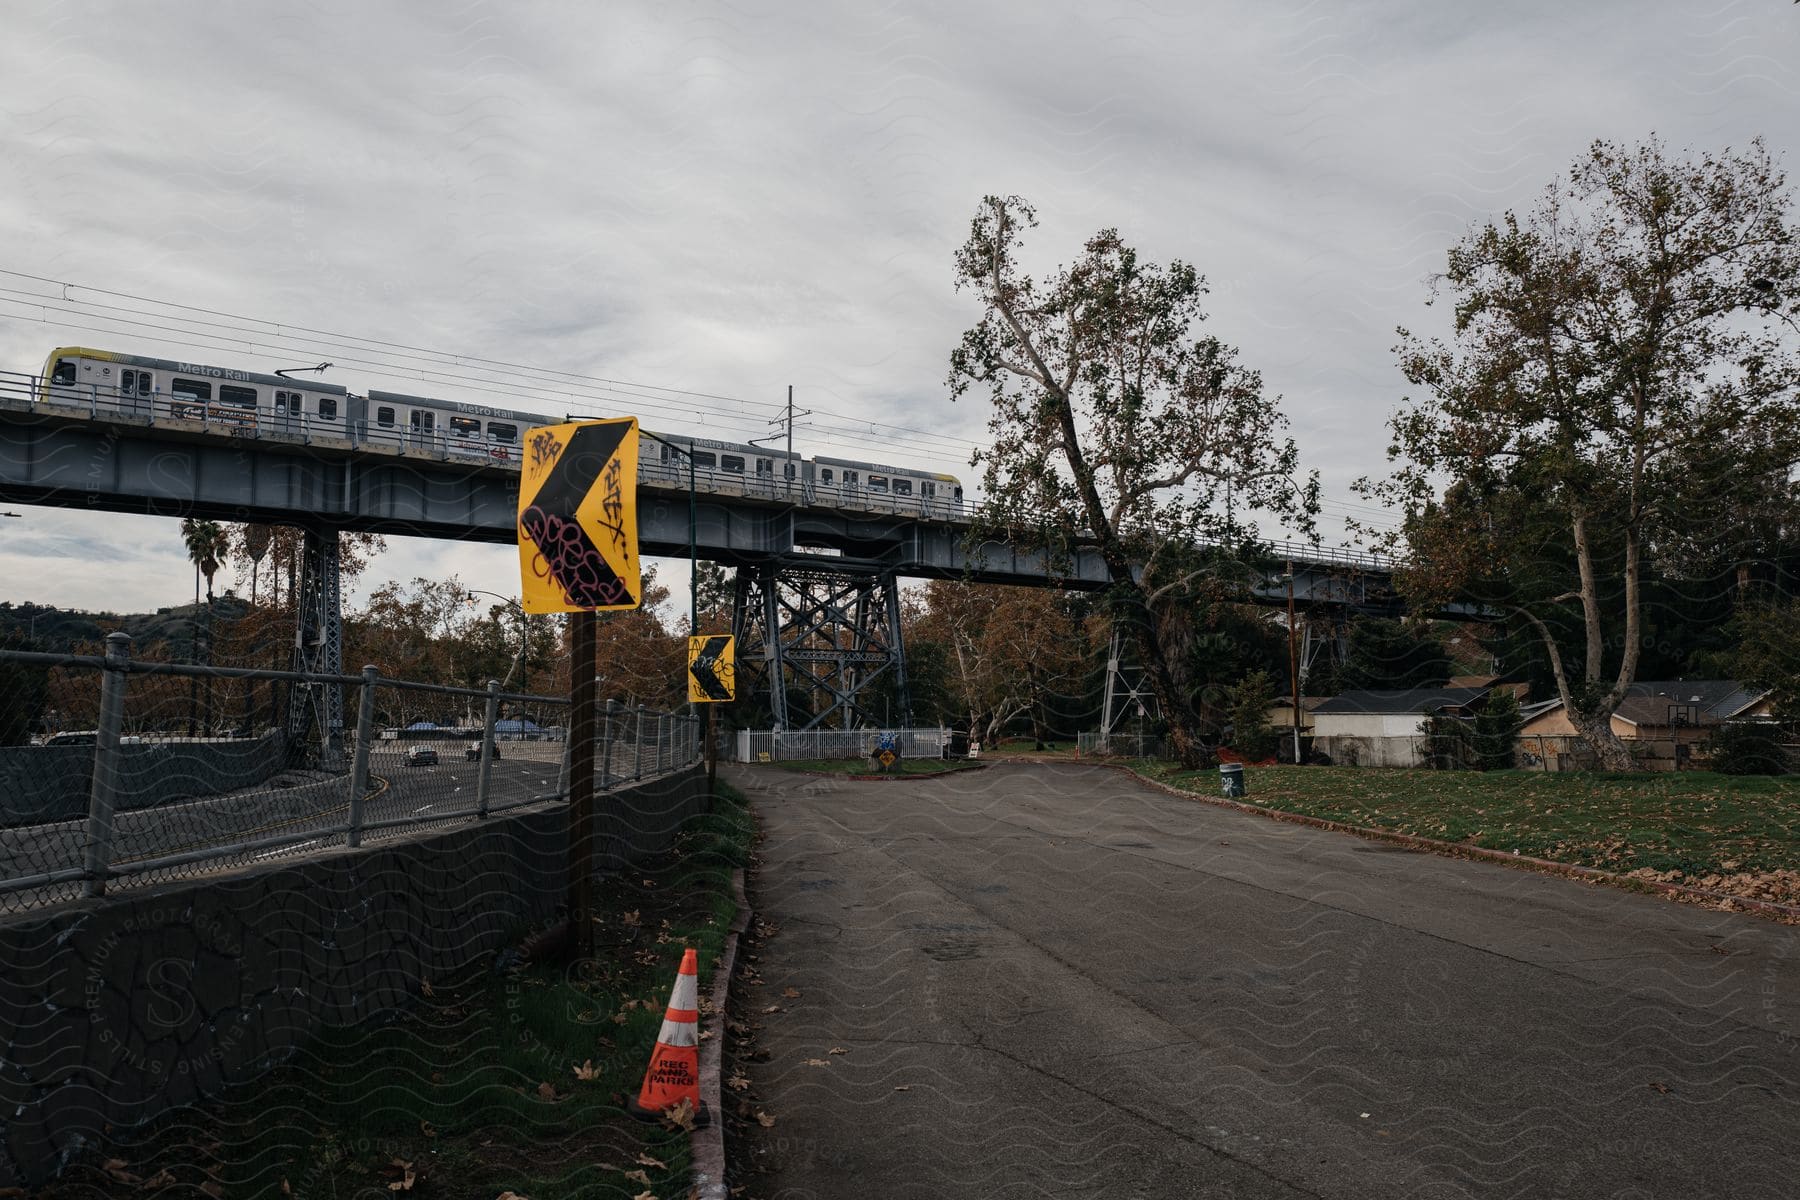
(647,1161)
(737,1081)
(837,1050)
(401,1174)
(587,1072)
(629,918)
(510,1196)
(764,1119)
(638,1177)
(425,989)
(428,1129)
(547,1091)
(818,1062)
(680,1116)
(792,993)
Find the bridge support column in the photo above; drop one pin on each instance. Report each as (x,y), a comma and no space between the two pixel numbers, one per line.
(1128,693)
(820,641)
(316,710)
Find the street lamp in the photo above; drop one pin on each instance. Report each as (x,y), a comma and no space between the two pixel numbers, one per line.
(524,634)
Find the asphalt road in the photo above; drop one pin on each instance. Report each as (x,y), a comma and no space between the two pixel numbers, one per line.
(1052,981)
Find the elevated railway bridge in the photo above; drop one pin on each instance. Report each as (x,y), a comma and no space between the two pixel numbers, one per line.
(817,607)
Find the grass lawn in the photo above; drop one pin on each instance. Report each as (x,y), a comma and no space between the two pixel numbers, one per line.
(862,766)
(474,1091)
(1736,833)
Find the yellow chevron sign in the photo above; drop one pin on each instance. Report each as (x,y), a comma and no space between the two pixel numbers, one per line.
(578,543)
(712,668)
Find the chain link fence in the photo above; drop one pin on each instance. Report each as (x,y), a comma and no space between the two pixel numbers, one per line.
(1118,745)
(116,772)
(763,745)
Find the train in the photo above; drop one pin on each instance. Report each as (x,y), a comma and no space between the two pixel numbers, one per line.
(198,398)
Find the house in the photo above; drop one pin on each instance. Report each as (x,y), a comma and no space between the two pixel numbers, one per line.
(1671,719)
(1281,713)
(1387,728)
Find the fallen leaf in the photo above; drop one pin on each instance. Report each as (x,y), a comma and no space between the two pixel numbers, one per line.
(425,988)
(773,1008)
(1660,1087)
(587,1072)
(286,1188)
(737,1081)
(644,1196)
(428,1129)
(680,1116)
(630,918)
(509,1196)
(163,1178)
(903,1087)
(116,1167)
(547,1091)
(437,1077)
(619,1018)
(818,1062)
(791,993)
(764,1119)
(638,1177)
(837,1050)
(647,1161)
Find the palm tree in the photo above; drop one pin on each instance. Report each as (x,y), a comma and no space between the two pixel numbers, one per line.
(206,545)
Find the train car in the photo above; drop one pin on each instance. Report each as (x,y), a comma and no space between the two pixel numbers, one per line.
(193,395)
(848,483)
(207,399)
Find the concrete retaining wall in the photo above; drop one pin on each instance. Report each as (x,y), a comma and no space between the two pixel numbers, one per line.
(51,783)
(114,1012)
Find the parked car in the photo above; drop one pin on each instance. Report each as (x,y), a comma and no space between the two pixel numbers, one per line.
(422,756)
(73,737)
(473,753)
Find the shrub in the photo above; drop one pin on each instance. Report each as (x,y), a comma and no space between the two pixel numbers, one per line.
(1748,748)
(1251,734)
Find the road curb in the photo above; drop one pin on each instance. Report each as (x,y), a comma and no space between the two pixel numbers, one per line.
(1730,902)
(917,777)
(709,1142)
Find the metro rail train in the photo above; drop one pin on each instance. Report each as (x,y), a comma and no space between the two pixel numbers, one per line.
(194,397)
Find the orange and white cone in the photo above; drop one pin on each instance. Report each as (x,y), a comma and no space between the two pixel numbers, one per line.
(674,1073)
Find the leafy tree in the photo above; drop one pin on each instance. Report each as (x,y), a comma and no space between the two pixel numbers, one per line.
(1748,748)
(1496,731)
(1111,426)
(1616,362)
(1008,652)
(1387,654)
(1252,736)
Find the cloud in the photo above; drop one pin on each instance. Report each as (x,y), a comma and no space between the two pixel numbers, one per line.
(732,199)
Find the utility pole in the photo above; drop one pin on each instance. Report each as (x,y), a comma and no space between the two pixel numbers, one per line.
(786,420)
(1293,662)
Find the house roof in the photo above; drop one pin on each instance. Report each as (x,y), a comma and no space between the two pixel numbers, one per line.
(1410,701)
(1661,702)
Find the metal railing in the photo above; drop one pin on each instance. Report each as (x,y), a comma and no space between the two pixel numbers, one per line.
(1118,745)
(166,770)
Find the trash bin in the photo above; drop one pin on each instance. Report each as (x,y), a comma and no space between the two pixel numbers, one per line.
(1231,780)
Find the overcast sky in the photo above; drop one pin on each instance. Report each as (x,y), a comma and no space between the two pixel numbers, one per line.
(728,199)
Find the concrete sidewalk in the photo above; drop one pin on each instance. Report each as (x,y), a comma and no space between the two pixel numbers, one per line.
(1052,981)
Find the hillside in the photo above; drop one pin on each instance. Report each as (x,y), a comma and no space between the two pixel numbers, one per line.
(171,630)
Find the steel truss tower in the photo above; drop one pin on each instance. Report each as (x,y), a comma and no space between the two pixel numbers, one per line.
(818,639)
(1128,691)
(317,709)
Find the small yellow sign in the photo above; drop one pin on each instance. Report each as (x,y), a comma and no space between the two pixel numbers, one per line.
(712,668)
(578,543)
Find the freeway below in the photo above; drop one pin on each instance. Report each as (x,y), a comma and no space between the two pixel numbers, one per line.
(295,804)
(1055,981)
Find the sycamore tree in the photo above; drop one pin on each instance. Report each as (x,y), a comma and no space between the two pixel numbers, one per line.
(1115,426)
(1619,380)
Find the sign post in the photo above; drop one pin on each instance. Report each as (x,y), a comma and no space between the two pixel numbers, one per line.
(712,679)
(578,553)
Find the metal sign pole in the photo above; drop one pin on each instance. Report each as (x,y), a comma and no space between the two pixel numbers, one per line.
(581,781)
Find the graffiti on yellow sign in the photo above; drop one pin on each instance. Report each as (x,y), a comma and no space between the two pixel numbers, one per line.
(712,668)
(578,544)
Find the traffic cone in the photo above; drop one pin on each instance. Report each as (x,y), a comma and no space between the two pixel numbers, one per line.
(674,1073)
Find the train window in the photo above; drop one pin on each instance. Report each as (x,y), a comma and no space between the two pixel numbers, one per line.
(849,478)
(240,397)
(824,474)
(503,433)
(878,483)
(465,427)
(289,403)
(902,487)
(733,463)
(928,488)
(64,373)
(328,408)
(787,469)
(764,467)
(423,421)
(191,389)
(958,495)
(146,385)
(384,415)
(704,459)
